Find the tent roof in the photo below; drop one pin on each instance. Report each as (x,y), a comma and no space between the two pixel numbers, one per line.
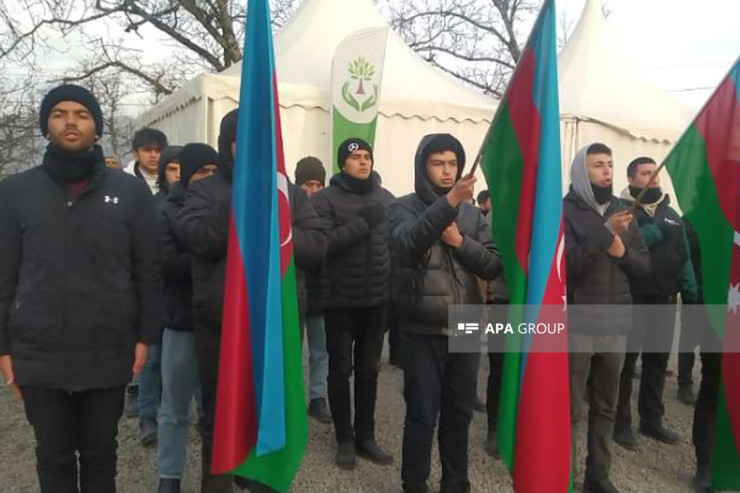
(596,82)
(304,48)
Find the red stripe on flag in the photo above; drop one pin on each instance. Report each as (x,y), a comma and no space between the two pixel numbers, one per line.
(719,124)
(235,428)
(731,359)
(543,435)
(526,122)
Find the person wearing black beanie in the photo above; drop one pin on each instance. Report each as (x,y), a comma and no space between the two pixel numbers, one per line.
(197,161)
(354,293)
(310,175)
(80,291)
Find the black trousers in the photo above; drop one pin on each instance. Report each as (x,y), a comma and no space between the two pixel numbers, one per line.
(207,346)
(395,335)
(493,389)
(689,339)
(69,423)
(653,329)
(437,385)
(705,412)
(354,336)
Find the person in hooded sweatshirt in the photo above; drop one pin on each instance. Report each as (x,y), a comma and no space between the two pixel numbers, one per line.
(179,363)
(603,252)
(672,272)
(80,294)
(440,245)
(204,225)
(147,391)
(355,280)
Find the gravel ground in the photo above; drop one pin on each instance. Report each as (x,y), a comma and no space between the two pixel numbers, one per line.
(656,468)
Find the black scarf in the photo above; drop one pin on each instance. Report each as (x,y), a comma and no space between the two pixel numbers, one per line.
(357,184)
(651,196)
(440,191)
(72,166)
(602,194)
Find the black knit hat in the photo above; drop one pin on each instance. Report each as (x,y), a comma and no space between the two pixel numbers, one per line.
(193,157)
(309,168)
(70,92)
(351,145)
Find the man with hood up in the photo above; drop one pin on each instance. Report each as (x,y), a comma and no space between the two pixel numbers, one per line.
(603,251)
(178,360)
(204,224)
(441,244)
(672,272)
(168,172)
(354,287)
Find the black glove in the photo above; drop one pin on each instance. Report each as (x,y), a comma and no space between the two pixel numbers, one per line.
(373,214)
(643,219)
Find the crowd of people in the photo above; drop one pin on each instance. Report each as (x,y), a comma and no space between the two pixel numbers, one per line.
(109,276)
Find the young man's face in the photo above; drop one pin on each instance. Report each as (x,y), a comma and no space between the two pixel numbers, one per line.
(599,168)
(485,206)
(172,172)
(442,169)
(112,162)
(71,127)
(642,176)
(203,172)
(148,157)
(358,164)
(311,187)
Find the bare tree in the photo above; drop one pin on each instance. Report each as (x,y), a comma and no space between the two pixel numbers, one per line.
(477,41)
(21,144)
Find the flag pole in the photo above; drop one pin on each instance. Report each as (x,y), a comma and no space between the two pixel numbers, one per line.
(638,199)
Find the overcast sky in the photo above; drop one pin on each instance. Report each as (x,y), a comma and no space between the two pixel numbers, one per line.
(683,46)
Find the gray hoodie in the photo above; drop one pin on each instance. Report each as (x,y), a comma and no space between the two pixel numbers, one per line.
(580,182)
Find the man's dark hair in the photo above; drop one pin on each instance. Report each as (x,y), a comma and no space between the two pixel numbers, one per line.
(599,149)
(632,167)
(149,137)
(482,196)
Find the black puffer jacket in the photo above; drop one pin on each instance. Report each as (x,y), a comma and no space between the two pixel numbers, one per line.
(593,276)
(178,283)
(309,241)
(429,275)
(204,222)
(357,268)
(80,278)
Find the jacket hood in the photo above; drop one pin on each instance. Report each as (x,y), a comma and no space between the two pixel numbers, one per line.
(423,187)
(579,182)
(169,153)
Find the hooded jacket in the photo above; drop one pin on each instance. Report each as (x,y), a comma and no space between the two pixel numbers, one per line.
(430,275)
(204,225)
(357,268)
(80,278)
(665,236)
(593,276)
(169,154)
(178,281)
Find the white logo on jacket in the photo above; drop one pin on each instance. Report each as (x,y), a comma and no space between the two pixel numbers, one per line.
(109,199)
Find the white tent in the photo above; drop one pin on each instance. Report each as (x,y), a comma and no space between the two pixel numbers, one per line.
(604,99)
(416,98)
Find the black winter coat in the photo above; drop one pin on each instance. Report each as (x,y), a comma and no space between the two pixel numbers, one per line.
(80,278)
(204,222)
(357,268)
(430,275)
(593,276)
(309,241)
(178,283)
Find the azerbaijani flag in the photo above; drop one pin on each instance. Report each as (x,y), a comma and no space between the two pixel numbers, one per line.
(260,429)
(704,166)
(521,163)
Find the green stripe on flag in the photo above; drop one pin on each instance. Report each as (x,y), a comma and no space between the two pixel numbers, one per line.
(277,469)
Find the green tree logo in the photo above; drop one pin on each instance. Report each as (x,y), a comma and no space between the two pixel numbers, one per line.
(362,71)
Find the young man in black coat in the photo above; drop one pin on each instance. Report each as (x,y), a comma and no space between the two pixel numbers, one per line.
(354,295)
(80,293)
(146,147)
(603,251)
(651,337)
(441,244)
(179,363)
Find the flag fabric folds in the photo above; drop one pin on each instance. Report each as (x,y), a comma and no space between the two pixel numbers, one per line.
(521,163)
(260,426)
